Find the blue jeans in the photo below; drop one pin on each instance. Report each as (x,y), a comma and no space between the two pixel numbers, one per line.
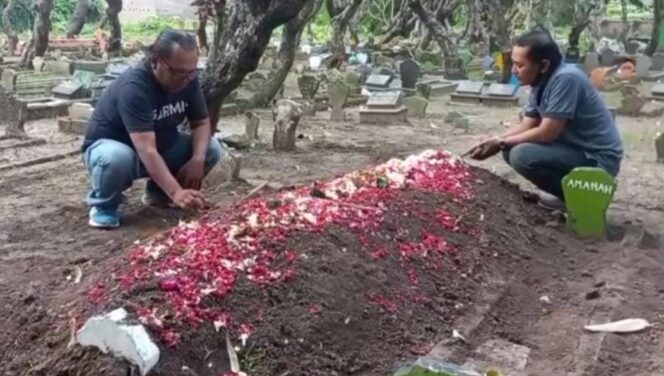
(545,165)
(113,167)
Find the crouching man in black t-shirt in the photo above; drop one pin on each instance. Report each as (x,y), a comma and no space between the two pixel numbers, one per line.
(133,133)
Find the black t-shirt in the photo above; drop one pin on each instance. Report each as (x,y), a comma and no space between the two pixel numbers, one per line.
(135,102)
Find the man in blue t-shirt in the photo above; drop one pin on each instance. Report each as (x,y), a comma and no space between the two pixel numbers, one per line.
(133,133)
(565,125)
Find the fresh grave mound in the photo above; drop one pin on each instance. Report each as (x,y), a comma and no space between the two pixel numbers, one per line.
(342,277)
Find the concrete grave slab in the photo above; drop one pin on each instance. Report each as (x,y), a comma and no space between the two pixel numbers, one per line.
(378,81)
(502,90)
(470,87)
(386,99)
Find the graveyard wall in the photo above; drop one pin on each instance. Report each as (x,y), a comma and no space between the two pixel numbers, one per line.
(141,10)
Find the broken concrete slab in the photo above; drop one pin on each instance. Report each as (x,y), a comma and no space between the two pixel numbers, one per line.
(383,116)
(72,126)
(112,333)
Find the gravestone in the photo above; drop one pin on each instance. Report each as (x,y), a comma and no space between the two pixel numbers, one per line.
(378,81)
(591,62)
(353,79)
(659,147)
(308,86)
(658,61)
(84,78)
(424,90)
(658,91)
(502,90)
(410,73)
(475,70)
(338,92)
(632,47)
(67,90)
(643,64)
(572,56)
(58,67)
(588,193)
(470,87)
(607,57)
(417,106)
(385,99)
(454,69)
(384,107)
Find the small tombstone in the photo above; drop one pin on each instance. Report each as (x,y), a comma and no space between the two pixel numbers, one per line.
(572,55)
(67,90)
(308,86)
(353,78)
(470,87)
(502,90)
(252,123)
(380,81)
(38,64)
(385,99)
(659,147)
(424,90)
(632,47)
(410,72)
(84,78)
(58,67)
(454,69)
(658,61)
(417,106)
(643,64)
(607,57)
(658,90)
(591,62)
(338,92)
(287,115)
(588,193)
(475,69)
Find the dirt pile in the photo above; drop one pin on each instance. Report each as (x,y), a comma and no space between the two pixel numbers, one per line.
(343,277)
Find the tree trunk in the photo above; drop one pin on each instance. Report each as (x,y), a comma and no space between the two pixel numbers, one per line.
(41,10)
(477,33)
(339,26)
(9,23)
(658,16)
(201,32)
(237,52)
(78,18)
(113,9)
(436,29)
(290,40)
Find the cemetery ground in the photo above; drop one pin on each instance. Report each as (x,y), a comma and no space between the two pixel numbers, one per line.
(526,286)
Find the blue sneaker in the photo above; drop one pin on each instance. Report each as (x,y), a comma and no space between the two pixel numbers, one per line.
(104,218)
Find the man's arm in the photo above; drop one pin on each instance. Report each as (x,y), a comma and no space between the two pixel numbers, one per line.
(201,132)
(548,131)
(524,125)
(146,148)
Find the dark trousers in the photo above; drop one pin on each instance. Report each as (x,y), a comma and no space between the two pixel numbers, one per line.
(545,165)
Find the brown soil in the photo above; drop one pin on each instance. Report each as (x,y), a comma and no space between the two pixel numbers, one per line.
(44,237)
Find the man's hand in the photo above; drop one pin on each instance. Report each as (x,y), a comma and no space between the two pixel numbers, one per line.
(191,174)
(189,199)
(486,149)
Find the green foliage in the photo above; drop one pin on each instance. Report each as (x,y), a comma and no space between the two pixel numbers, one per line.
(322,26)
(149,28)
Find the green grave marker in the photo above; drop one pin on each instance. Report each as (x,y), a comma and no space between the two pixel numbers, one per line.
(588,192)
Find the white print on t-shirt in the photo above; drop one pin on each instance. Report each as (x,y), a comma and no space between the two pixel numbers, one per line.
(170,110)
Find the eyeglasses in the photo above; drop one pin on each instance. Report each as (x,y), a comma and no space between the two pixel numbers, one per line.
(185,75)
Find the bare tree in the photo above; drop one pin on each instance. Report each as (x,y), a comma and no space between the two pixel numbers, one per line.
(41,10)
(243,32)
(290,40)
(9,24)
(113,9)
(439,32)
(478,36)
(341,16)
(403,23)
(78,18)
(582,11)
